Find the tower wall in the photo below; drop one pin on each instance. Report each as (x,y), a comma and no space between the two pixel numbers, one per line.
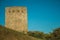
(16,18)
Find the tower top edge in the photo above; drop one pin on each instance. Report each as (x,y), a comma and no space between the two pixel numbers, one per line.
(16,7)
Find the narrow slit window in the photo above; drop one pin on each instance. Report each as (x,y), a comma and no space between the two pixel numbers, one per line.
(13,11)
(22,11)
(9,11)
(18,11)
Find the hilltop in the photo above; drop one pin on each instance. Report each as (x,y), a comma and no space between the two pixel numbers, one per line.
(8,34)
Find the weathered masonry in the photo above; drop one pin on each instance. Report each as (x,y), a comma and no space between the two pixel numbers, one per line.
(16,18)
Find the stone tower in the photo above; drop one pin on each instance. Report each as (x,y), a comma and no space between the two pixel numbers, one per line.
(16,18)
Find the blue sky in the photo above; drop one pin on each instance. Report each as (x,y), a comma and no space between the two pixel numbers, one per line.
(43,15)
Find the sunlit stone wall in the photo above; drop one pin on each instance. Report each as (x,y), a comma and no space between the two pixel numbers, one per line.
(16,18)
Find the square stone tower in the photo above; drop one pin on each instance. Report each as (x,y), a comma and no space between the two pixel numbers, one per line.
(16,18)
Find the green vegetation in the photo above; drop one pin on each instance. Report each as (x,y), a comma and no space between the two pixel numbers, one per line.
(55,35)
(8,34)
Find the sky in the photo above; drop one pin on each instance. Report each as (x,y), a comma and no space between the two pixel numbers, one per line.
(43,15)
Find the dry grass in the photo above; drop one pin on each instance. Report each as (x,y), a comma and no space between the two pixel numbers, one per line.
(8,34)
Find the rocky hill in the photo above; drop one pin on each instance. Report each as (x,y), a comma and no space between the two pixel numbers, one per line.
(8,34)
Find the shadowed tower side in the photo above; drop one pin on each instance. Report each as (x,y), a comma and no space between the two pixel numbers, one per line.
(16,18)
